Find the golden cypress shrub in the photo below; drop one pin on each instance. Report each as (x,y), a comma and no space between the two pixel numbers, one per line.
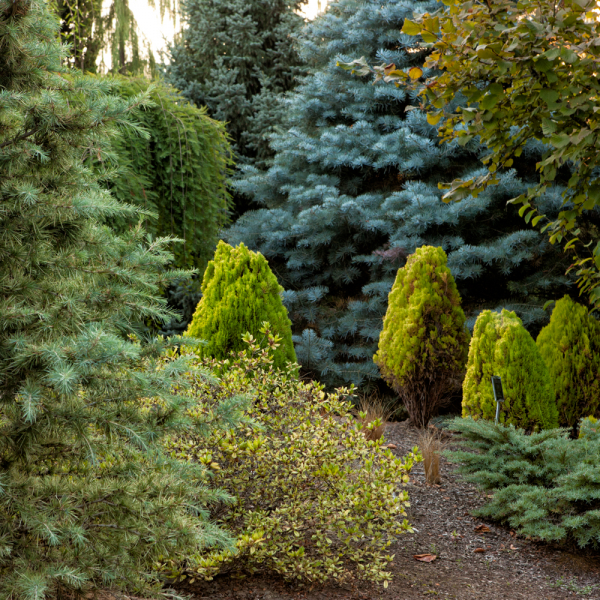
(240,293)
(502,346)
(570,347)
(424,342)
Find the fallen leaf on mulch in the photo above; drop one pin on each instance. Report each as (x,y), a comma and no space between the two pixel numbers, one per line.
(479,550)
(392,446)
(482,529)
(513,547)
(425,557)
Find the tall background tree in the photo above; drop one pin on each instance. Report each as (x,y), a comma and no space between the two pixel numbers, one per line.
(98,28)
(88,499)
(353,190)
(236,57)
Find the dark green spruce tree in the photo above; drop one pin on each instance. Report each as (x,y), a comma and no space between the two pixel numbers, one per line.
(236,57)
(87,498)
(353,191)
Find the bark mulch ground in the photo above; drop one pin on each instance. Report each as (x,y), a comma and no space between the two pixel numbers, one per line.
(470,564)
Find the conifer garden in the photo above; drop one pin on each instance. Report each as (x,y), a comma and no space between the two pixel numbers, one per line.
(238,310)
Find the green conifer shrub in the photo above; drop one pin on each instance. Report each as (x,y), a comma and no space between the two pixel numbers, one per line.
(178,171)
(88,498)
(424,342)
(315,499)
(544,485)
(502,346)
(240,293)
(570,347)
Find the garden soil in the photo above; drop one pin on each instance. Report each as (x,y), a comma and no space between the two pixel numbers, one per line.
(475,559)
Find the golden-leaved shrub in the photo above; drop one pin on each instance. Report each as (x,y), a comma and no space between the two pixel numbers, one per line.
(311,497)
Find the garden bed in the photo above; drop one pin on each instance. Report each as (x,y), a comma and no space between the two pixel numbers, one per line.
(469,565)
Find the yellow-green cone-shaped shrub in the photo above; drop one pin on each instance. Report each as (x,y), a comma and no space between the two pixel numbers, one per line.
(239,293)
(424,342)
(570,347)
(502,346)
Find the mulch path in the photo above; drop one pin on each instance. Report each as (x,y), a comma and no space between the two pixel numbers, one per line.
(470,565)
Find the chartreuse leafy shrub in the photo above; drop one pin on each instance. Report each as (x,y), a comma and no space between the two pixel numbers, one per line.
(314,500)
(544,485)
(502,346)
(570,347)
(240,292)
(424,343)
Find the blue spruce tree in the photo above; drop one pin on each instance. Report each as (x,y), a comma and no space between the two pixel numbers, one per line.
(353,191)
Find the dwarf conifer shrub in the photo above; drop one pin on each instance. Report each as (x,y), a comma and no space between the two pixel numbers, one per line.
(314,499)
(544,485)
(424,343)
(502,346)
(570,347)
(240,293)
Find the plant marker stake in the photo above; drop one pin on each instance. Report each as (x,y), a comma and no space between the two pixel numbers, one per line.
(498,394)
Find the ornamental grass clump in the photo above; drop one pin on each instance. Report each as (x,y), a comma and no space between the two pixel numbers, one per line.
(240,292)
(502,346)
(570,347)
(424,343)
(313,499)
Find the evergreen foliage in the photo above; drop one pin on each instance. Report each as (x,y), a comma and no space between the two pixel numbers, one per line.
(353,191)
(502,346)
(308,469)
(240,293)
(178,171)
(424,343)
(544,485)
(88,498)
(570,347)
(236,57)
(524,68)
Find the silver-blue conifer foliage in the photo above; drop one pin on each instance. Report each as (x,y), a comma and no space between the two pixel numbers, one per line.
(353,190)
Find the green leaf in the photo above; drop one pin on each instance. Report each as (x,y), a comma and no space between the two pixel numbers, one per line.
(548,127)
(568,55)
(411,28)
(560,140)
(549,97)
(551,54)
(571,243)
(489,101)
(434,118)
